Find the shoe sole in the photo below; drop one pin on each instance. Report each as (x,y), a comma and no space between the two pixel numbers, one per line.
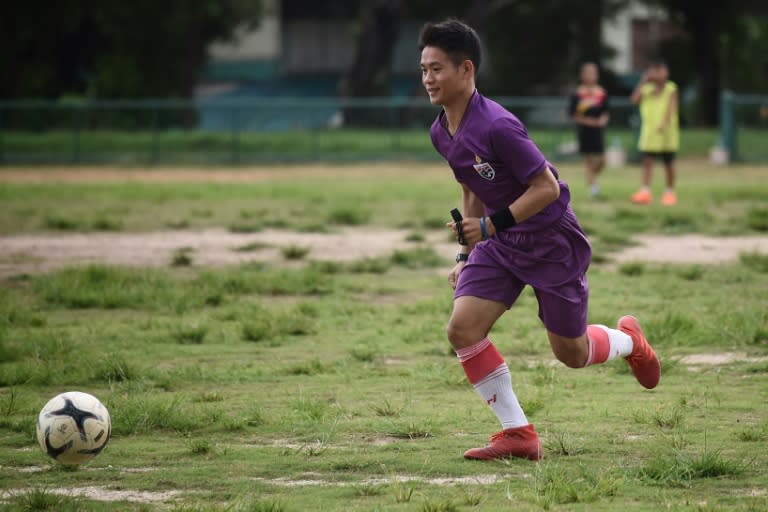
(525,457)
(530,456)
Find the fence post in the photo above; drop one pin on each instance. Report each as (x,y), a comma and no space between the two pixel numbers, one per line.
(235,149)
(155,155)
(75,134)
(394,119)
(728,124)
(2,139)
(314,134)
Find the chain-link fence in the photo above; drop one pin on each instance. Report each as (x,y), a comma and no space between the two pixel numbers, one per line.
(744,126)
(253,131)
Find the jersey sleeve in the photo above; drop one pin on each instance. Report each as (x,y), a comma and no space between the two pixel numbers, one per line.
(572,103)
(605,106)
(515,150)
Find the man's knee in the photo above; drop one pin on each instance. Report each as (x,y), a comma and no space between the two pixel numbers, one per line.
(454,331)
(461,334)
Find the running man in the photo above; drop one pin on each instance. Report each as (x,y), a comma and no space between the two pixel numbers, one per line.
(588,108)
(519,230)
(659,129)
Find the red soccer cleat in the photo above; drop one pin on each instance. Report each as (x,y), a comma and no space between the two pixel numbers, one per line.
(522,442)
(643,361)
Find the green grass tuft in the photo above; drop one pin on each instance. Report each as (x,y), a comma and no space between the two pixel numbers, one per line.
(192,333)
(421,257)
(755,261)
(677,468)
(294,252)
(349,216)
(182,257)
(757,219)
(42,499)
(252,247)
(633,269)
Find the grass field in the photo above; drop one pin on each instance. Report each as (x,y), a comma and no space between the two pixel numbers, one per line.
(294,386)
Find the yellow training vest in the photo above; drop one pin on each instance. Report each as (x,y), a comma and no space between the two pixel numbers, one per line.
(653,108)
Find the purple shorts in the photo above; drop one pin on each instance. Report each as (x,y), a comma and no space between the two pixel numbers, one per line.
(553,261)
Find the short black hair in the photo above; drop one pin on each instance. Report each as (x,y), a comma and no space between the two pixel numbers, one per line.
(457,39)
(658,62)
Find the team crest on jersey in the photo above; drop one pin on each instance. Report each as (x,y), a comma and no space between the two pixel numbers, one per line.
(484,169)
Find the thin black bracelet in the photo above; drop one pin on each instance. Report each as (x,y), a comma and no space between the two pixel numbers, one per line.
(503,219)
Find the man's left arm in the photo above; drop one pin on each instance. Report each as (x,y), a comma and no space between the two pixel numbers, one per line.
(543,189)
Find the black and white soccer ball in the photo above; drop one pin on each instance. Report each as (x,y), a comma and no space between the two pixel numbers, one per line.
(73,427)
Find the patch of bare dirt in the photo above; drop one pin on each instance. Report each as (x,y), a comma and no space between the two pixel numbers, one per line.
(445,482)
(691,249)
(720,358)
(37,253)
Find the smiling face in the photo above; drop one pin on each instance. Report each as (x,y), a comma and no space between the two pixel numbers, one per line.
(445,81)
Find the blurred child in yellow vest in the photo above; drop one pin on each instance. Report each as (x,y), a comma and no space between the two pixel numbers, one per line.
(660,132)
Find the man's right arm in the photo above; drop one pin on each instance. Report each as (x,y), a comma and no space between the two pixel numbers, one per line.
(472,206)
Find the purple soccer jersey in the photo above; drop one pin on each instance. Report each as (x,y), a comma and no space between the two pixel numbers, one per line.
(492,154)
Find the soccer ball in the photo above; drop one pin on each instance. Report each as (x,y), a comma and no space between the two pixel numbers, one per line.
(73,427)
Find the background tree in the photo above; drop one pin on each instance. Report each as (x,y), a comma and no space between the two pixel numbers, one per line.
(537,46)
(531,46)
(722,35)
(113,49)
(378,29)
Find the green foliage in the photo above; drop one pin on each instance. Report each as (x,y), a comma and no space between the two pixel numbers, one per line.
(115,50)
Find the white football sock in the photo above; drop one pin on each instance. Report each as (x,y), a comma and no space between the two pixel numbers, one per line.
(620,343)
(496,389)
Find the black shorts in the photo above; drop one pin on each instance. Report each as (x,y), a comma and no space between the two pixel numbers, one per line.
(591,140)
(666,156)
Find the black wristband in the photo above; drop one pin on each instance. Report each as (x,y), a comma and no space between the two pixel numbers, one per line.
(503,219)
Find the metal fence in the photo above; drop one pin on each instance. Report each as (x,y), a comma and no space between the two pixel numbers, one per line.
(252,131)
(744,126)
